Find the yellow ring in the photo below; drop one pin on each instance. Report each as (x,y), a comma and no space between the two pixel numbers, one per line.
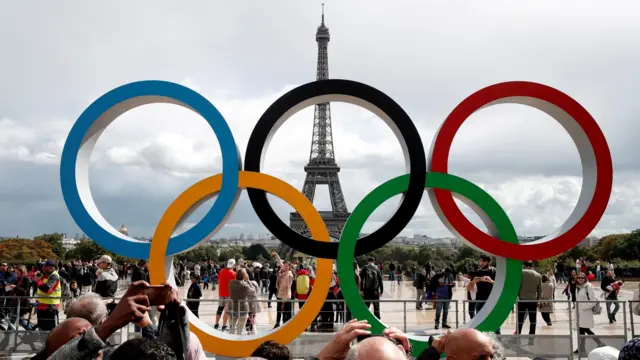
(209,187)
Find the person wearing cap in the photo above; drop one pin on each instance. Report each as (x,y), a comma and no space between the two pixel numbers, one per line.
(224,278)
(49,293)
(107,283)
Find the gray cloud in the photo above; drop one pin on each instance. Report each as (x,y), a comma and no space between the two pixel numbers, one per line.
(58,58)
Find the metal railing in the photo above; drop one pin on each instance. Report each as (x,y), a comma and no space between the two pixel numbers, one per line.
(633,318)
(558,341)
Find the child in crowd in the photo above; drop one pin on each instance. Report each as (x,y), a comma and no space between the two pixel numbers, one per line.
(205,280)
(214,280)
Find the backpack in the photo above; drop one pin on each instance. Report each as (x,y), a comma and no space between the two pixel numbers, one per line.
(65,289)
(302,284)
(370,278)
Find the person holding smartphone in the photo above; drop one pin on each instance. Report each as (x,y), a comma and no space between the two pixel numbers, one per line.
(483,279)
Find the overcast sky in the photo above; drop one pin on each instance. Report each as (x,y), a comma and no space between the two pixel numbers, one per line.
(58,57)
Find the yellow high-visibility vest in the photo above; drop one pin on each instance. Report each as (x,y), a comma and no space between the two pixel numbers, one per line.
(52,298)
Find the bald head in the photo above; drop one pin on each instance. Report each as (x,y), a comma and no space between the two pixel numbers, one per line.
(465,344)
(64,332)
(376,348)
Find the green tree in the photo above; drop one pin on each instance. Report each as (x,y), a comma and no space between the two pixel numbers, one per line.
(86,249)
(254,251)
(604,248)
(202,252)
(466,265)
(466,252)
(544,265)
(55,240)
(25,251)
(231,253)
(577,252)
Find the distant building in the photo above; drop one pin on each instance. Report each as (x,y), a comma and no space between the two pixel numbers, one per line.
(589,242)
(69,243)
(529,239)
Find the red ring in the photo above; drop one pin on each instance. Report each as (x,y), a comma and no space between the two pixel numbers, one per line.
(604,178)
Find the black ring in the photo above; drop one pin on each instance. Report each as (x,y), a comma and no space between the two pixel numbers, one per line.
(361,95)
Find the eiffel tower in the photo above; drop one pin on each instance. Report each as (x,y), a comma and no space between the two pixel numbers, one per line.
(322,168)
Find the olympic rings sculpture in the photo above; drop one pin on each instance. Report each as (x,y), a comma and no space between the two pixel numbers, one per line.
(432,175)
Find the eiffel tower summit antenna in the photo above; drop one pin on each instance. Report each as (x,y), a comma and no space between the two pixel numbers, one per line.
(322,168)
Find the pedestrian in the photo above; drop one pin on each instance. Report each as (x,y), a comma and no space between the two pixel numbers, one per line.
(194,293)
(421,288)
(528,297)
(546,307)
(484,278)
(443,283)
(371,286)
(586,309)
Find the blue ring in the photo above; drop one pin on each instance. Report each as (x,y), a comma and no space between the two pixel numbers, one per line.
(231,164)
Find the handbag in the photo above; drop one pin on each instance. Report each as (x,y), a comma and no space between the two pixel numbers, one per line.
(595,309)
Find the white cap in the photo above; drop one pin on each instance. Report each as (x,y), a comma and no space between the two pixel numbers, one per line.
(105,259)
(231,263)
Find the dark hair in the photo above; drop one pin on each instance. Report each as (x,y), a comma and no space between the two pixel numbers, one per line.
(371,259)
(528,263)
(272,350)
(143,349)
(545,278)
(485,257)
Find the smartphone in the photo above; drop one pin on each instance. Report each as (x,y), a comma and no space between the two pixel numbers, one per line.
(157,294)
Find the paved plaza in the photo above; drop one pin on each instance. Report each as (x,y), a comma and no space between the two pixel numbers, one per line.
(399,310)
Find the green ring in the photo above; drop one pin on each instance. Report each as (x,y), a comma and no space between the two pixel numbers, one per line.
(501,309)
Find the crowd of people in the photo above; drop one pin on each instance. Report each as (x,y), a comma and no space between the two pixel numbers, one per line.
(536,293)
(85,335)
(239,285)
(49,287)
(86,290)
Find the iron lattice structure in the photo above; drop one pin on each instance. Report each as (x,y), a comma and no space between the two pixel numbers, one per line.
(322,168)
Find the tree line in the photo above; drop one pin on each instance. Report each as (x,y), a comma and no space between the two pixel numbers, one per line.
(622,249)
